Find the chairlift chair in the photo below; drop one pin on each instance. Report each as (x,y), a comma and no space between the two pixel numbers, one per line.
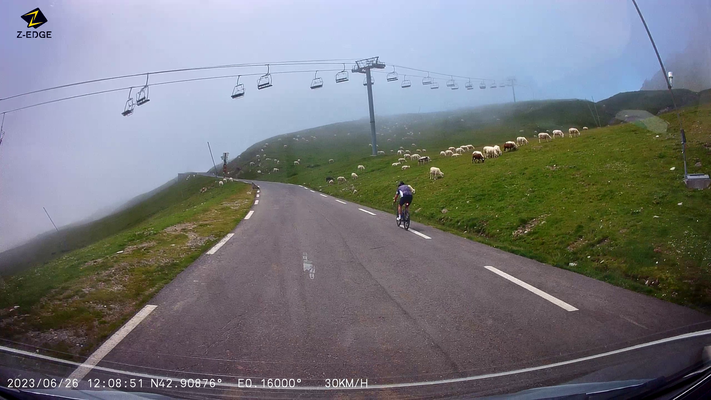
(130,105)
(392,77)
(427,80)
(342,76)
(493,85)
(455,87)
(451,83)
(405,83)
(502,84)
(142,96)
(238,91)
(434,85)
(317,82)
(482,85)
(265,80)
(469,85)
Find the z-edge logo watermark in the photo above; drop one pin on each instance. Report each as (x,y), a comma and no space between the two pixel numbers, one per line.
(34,18)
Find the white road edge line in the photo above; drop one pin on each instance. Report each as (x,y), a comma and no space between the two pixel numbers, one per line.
(342,202)
(311,191)
(108,345)
(256,202)
(257,195)
(323,195)
(419,234)
(539,292)
(221,243)
(366,211)
(249,214)
(684,336)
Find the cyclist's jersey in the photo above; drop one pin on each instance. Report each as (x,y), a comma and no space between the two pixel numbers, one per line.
(404,190)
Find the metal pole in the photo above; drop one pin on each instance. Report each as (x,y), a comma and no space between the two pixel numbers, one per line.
(599,124)
(371,109)
(664,73)
(591,113)
(50,219)
(213,158)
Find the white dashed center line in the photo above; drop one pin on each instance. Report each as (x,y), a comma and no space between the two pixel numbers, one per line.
(256,202)
(539,292)
(108,345)
(323,195)
(221,243)
(342,202)
(366,211)
(419,234)
(249,215)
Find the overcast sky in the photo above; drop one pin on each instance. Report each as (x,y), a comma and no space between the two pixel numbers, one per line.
(77,157)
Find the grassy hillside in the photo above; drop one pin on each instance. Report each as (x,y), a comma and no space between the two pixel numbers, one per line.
(72,302)
(605,204)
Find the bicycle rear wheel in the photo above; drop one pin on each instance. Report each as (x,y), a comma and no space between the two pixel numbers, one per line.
(406,219)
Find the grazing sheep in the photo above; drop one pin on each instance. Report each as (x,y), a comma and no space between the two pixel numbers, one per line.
(407,156)
(330,161)
(330,182)
(585,128)
(459,150)
(407,152)
(573,132)
(558,132)
(477,156)
(424,150)
(361,168)
(355,191)
(413,145)
(259,171)
(404,167)
(400,152)
(418,150)
(448,153)
(275,170)
(296,163)
(251,163)
(381,153)
(436,173)
(497,151)
(415,157)
(451,148)
(341,179)
(489,151)
(285,146)
(328,178)
(354,175)
(510,146)
(395,164)
(521,140)
(442,153)
(423,160)
(402,159)
(544,136)
(220,183)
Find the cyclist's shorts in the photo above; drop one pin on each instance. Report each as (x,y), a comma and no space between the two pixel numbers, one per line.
(405,199)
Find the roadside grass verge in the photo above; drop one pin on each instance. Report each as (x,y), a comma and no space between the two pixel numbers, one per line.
(72,303)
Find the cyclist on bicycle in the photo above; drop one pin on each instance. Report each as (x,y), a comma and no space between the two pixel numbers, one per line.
(405,193)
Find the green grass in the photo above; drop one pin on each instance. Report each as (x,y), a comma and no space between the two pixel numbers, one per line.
(88,293)
(604,204)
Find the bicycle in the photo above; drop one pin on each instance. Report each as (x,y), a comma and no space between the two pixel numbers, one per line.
(405,217)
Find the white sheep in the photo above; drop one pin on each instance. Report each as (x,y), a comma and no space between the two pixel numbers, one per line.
(521,140)
(488,151)
(401,159)
(497,149)
(544,136)
(442,153)
(354,175)
(407,156)
(558,132)
(395,164)
(436,173)
(341,179)
(275,170)
(381,153)
(418,150)
(407,152)
(415,157)
(251,163)
(361,168)
(585,128)
(296,163)
(355,191)
(404,167)
(573,132)
(220,183)
(400,152)
(451,148)
(424,150)
(285,146)
(259,171)
(330,161)
(448,153)
(456,155)
(330,181)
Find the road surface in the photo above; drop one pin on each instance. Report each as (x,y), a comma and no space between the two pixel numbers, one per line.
(314,288)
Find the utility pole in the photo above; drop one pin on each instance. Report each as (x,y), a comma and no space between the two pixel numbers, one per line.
(224,163)
(363,67)
(213,158)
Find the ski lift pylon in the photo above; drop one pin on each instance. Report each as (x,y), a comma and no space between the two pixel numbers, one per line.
(405,82)
(142,96)
(238,91)
(317,82)
(372,80)
(130,105)
(265,80)
(392,77)
(342,76)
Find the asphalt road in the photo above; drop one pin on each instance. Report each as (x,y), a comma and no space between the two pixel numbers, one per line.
(313,288)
